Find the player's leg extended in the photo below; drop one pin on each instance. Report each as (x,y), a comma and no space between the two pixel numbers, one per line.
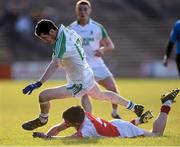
(167,100)
(115,98)
(109,84)
(86,103)
(44,100)
(110,96)
(49,94)
(160,123)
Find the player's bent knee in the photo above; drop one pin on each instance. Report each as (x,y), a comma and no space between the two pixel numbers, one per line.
(43,97)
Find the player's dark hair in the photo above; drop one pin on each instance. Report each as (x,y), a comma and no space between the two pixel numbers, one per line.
(74,114)
(44,26)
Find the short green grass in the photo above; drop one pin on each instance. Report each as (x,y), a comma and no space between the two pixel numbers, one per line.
(15,108)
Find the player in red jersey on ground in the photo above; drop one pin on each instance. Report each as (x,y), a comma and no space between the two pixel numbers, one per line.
(88,125)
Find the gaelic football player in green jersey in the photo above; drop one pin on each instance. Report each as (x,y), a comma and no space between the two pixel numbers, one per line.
(69,55)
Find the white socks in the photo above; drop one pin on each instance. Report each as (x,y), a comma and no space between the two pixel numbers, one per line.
(168,103)
(130,105)
(43,117)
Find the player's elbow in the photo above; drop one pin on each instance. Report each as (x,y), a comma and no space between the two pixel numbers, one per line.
(111,47)
(56,63)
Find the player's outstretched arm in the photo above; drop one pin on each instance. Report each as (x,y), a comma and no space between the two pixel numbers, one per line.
(56,129)
(52,133)
(51,68)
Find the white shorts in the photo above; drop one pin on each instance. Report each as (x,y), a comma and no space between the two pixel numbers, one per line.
(127,129)
(80,89)
(101,73)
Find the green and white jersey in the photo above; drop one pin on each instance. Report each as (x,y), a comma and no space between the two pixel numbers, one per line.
(68,47)
(92,33)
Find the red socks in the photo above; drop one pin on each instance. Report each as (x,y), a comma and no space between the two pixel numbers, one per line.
(165,109)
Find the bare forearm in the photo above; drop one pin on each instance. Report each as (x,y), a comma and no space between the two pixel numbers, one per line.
(106,45)
(56,129)
(61,137)
(50,70)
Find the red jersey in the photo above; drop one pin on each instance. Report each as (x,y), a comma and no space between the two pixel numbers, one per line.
(96,127)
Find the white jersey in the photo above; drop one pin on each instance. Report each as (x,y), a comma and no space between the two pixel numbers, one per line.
(68,47)
(92,33)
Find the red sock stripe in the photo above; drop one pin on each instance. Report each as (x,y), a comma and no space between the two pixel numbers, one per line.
(165,109)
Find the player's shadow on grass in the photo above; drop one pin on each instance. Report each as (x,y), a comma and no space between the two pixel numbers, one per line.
(80,141)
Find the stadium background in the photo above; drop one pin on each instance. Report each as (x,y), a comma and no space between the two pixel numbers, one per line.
(139,28)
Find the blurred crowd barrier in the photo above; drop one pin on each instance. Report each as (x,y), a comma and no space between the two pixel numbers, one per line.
(32,70)
(139,30)
(156,69)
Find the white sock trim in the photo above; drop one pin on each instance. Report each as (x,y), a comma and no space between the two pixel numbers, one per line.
(168,103)
(43,103)
(43,117)
(130,105)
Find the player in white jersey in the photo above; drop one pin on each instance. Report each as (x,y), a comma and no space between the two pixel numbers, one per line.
(69,55)
(96,43)
(88,125)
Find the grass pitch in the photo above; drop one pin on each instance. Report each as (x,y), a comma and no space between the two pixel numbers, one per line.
(15,108)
